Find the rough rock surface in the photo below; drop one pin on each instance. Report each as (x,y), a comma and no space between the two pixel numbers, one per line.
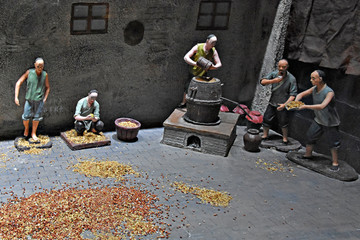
(326,33)
(274,52)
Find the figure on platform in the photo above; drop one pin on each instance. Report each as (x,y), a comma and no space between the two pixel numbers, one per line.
(206,51)
(37,92)
(283,90)
(87,114)
(326,117)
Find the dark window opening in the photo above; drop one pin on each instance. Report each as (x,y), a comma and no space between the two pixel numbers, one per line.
(89,18)
(213,15)
(134,33)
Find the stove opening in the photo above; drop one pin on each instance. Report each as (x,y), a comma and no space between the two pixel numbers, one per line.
(193,142)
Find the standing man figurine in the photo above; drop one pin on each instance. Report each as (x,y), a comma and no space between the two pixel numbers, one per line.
(206,50)
(87,114)
(37,92)
(326,117)
(283,90)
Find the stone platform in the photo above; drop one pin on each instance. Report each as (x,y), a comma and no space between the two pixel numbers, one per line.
(75,146)
(321,163)
(215,140)
(21,148)
(275,141)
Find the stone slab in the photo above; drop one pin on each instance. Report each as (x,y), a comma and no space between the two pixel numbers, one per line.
(321,163)
(25,148)
(74,146)
(275,141)
(224,129)
(215,140)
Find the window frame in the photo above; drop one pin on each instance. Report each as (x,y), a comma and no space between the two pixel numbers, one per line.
(213,15)
(88,19)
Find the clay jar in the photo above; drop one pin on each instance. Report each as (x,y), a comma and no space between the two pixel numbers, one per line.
(252,140)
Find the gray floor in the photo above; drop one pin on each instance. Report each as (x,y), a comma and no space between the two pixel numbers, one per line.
(290,202)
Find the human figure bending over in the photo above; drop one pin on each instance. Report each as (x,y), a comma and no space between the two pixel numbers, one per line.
(87,114)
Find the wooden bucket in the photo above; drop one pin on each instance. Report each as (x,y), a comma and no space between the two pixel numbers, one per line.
(203,101)
(204,63)
(127,133)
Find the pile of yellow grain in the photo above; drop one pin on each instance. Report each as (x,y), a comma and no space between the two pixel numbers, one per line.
(87,137)
(213,197)
(294,105)
(104,169)
(33,146)
(127,124)
(274,166)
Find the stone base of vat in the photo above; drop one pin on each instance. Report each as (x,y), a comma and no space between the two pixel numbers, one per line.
(216,140)
(74,146)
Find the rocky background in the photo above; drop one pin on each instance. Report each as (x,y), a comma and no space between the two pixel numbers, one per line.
(326,35)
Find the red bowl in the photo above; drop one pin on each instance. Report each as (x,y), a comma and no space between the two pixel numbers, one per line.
(127,133)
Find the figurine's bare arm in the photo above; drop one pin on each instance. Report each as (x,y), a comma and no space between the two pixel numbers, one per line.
(18,85)
(322,105)
(281,106)
(188,56)
(216,61)
(47,88)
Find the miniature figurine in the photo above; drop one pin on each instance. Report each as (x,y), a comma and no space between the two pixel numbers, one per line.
(201,54)
(283,90)
(326,117)
(87,114)
(37,92)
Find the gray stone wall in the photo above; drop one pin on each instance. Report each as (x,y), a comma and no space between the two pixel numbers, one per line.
(143,81)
